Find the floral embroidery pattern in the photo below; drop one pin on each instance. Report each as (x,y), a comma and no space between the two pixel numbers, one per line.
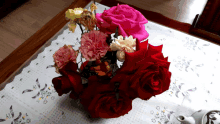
(182,63)
(63,115)
(190,44)
(196,67)
(212,89)
(193,45)
(20,119)
(44,92)
(177,89)
(49,66)
(161,116)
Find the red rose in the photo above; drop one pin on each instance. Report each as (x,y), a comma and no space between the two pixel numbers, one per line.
(128,20)
(151,79)
(100,100)
(148,70)
(69,81)
(62,85)
(107,106)
(124,80)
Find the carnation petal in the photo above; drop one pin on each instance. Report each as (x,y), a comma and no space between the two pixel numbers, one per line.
(120,55)
(64,55)
(93,45)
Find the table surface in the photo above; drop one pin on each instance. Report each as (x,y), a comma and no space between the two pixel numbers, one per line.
(194,67)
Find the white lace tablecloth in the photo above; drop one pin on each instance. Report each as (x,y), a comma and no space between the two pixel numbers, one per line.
(195,82)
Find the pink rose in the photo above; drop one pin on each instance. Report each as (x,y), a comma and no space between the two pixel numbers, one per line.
(127,19)
(93,45)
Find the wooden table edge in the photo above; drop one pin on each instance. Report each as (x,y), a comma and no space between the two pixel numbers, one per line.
(206,35)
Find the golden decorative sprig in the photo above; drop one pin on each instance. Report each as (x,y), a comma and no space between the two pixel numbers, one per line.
(83,17)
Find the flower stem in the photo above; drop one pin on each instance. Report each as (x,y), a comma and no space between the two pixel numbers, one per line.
(80,27)
(82,61)
(95,15)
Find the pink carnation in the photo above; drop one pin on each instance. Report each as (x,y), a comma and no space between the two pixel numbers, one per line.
(93,45)
(64,55)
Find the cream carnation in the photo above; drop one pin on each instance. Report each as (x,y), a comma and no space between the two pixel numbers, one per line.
(126,44)
(120,55)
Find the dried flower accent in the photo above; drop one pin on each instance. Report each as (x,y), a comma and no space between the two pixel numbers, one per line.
(88,20)
(72,26)
(72,14)
(64,55)
(120,55)
(126,44)
(93,7)
(102,69)
(81,16)
(93,45)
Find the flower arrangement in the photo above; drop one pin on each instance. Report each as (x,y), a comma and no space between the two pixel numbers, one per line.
(104,89)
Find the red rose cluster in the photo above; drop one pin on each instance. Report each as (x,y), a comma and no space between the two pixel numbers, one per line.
(145,73)
(109,91)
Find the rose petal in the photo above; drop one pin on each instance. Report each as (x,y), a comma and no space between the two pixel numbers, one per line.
(166,85)
(125,18)
(70,66)
(62,85)
(100,106)
(143,94)
(76,82)
(154,49)
(83,65)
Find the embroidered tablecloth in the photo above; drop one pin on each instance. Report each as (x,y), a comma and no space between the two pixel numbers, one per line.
(195,67)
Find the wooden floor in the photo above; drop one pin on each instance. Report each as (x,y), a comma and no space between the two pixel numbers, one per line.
(23,22)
